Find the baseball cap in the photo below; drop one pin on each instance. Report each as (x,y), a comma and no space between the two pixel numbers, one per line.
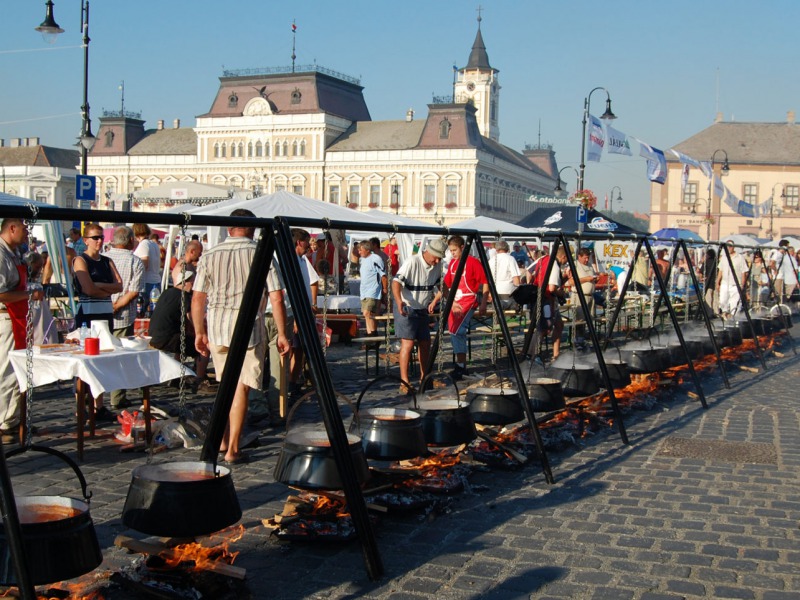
(179,276)
(437,247)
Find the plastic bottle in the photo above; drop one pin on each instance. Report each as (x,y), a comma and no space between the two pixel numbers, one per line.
(154,295)
(139,306)
(138,428)
(83,335)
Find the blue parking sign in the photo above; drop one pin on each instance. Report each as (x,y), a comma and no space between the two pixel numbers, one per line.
(85,189)
(582,215)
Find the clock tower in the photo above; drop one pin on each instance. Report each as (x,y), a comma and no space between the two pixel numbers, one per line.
(477,84)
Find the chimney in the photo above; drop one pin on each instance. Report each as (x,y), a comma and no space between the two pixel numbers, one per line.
(34,141)
(2,143)
(160,125)
(409,115)
(15,143)
(176,124)
(790,117)
(718,118)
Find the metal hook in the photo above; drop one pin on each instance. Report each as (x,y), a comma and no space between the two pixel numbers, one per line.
(34,211)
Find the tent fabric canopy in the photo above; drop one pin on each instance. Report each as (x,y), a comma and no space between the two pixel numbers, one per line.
(184,191)
(562,219)
(676,233)
(493,227)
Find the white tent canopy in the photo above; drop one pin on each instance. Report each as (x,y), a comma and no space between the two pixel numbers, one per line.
(493,227)
(185,191)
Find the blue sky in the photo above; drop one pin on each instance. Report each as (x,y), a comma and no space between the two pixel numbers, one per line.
(659,60)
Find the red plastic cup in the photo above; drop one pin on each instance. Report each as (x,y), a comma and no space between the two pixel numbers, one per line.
(91,346)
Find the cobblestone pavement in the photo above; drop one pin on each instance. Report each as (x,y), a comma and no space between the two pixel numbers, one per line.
(701,503)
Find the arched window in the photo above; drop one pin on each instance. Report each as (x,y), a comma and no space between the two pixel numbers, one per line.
(295,148)
(241,150)
(250,150)
(223,150)
(302,147)
(266,148)
(444,129)
(285,149)
(278,149)
(233,100)
(259,150)
(217,151)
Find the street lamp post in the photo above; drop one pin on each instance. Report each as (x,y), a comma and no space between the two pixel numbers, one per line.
(608,115)
(611,198)
(772,208)
(708,214)
(558,187)
(724,171)
(50,30)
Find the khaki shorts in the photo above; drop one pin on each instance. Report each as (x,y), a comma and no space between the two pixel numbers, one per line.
(369,305)
(252,368)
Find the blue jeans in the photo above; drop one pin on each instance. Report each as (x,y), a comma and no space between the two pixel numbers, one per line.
(459,338)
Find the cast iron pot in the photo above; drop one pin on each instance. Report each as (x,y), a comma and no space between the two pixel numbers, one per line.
(546,394)
(57,533)
(694,347)
(389,433)
(734,334)
(306,459)
(761,326)
(779,323)
(495,406)
(646,360)
(181,499)
(578,380)
(445,422)
(617,372)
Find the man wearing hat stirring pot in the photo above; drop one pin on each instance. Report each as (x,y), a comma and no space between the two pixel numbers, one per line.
(414,289)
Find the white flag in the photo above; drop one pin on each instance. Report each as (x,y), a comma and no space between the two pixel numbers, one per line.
(656,163)
(684,176)
(730,200)
(686,160)
(596,139)
(763,209)
(617,142)
(705,167)
(719,187)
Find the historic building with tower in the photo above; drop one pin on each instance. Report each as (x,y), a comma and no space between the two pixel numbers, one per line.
(308,130)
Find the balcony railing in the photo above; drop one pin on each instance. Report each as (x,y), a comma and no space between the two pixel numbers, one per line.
(288,70)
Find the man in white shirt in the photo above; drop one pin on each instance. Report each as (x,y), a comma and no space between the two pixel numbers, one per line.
(506,274)
(729,300)
(785,268)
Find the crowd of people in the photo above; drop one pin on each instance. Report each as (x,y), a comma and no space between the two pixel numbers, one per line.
(194,317)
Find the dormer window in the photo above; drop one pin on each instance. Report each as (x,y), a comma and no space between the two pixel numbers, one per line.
(296,96)
(233,100)
(109,139)
(444,129)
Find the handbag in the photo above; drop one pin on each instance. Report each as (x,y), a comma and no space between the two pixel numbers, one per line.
(525,294)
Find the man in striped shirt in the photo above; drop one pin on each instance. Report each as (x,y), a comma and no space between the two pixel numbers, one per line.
(131,271)
(219,288)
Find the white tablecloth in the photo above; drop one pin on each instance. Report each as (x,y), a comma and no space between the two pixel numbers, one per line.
(121,369)
(339,302)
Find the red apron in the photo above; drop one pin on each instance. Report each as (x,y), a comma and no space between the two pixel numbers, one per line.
(465,298)
(18,311)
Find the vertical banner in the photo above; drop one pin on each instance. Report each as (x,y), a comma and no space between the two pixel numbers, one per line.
(596,139)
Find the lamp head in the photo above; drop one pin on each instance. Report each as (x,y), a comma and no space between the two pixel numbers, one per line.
(608,115)
(49,28)
(87,138)
(558,187)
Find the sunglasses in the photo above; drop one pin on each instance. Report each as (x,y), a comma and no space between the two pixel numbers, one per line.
(96,238)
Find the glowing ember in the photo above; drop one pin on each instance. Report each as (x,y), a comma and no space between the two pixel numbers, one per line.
(204,557)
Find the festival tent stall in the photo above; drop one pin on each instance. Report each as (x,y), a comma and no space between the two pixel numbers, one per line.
(740,240)
(551,220)
(673,234)
(288,204)
(493,227)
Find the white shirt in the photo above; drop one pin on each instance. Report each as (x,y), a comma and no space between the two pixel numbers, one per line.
(148,249)
(504,268)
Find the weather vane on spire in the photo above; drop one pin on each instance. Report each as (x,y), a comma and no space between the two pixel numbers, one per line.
(294,39)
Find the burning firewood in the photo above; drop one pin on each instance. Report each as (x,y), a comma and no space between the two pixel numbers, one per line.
(204,560)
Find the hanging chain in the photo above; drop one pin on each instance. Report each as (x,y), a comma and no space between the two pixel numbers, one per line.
(29,344)
(538,315)
(440,354)
(328,279)
(495,323)
(389,298)
(182,389)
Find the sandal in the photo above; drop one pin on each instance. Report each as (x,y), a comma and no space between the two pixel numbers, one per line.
(239,459)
